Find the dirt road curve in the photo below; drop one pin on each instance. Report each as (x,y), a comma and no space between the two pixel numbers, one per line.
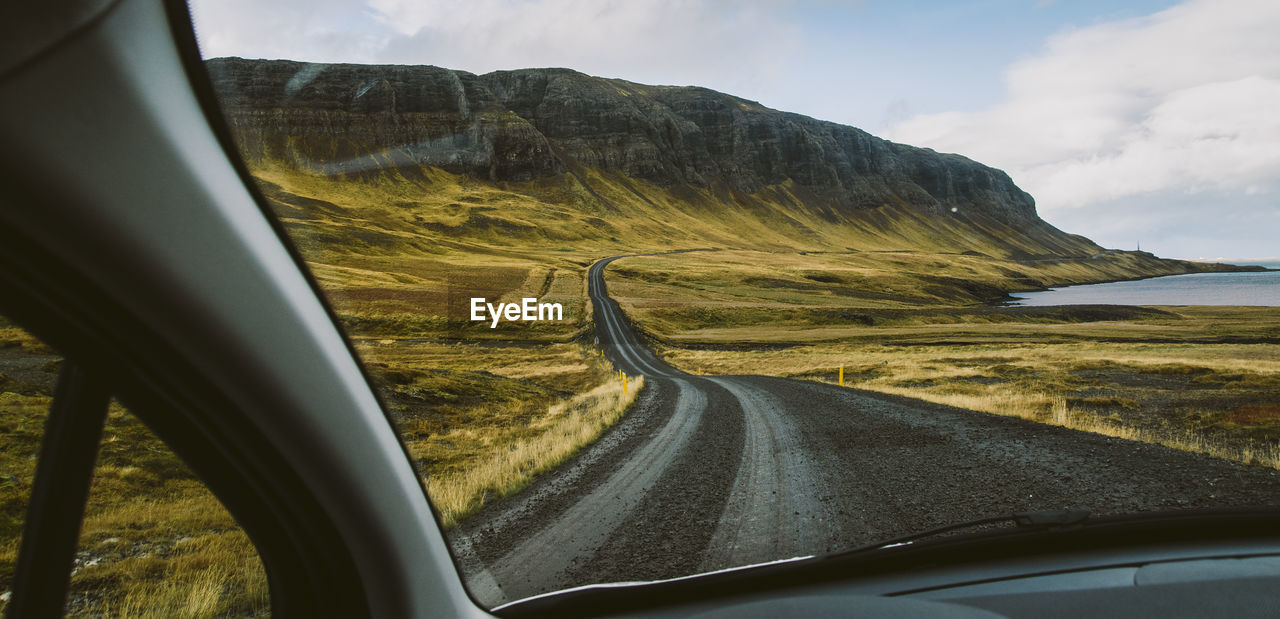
(713,472)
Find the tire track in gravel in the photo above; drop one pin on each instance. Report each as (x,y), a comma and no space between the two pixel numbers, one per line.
(548,554)
(774,510)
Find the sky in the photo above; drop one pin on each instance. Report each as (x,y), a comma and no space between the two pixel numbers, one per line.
(1151,122)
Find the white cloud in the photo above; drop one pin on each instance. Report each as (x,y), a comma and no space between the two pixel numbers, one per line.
(738,47)
(310,30)
(1207,223)
(654,41)
(1180,102)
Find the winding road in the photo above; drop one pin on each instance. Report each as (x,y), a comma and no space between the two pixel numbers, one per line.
(707,473)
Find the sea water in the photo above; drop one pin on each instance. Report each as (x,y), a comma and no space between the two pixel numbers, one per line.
(1261,288)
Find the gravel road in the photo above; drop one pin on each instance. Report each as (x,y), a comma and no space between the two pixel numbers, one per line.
(707,473)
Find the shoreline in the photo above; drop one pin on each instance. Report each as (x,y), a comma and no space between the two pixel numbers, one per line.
(1206,268)
(1022,301)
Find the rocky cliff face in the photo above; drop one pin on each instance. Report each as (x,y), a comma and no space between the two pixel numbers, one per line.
(531,124)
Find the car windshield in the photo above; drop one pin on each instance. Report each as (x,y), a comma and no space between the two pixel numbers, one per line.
(654,289)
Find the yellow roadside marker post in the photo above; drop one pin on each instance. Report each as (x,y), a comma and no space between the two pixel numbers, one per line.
(624,382)
(842,375)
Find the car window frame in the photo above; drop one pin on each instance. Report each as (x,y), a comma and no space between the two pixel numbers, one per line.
(191,417)
(309,571)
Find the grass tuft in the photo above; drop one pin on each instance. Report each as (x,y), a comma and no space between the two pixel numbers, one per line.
(507,468)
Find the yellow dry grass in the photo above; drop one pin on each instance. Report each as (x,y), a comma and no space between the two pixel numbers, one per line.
(208,575)
(507,467)
(155,542)
(800,296)
(1054,410)
(482,419)
(1174,394)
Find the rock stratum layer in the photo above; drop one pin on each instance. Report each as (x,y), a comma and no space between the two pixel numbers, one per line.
(599,138)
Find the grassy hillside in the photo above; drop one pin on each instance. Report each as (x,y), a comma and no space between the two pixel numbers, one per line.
(594,211)
(402,250)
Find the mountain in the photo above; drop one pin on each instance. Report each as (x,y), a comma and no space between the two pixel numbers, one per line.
(594,157)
